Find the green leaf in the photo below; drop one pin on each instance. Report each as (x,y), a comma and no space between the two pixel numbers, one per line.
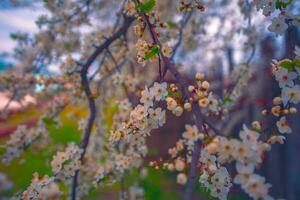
(152,52)
(46,1)
(14,36)
(147,6)
(176,95)
(280,4)
(152,152)
(297,63)
(287,65)
(286,4)
(227,100)
(68,46)
(49,121)
(172,24)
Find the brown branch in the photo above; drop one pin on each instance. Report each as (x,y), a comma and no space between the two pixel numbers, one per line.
(87,90)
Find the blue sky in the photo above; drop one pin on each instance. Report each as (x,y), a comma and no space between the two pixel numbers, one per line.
(16,19)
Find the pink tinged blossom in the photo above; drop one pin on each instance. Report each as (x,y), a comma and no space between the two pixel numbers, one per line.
(283,126)
(276,139)
(285,78)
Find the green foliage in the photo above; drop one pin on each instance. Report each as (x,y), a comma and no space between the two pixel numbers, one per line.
(159,185)
(20,171)
(154,50)
(64,134)
(16,36)
(172,24)
(68,46)
(175,95)
(226,100)
(282,4)
(147,6)
(290,65)
(152,152)
(49,121)
(109,112)
(36,158)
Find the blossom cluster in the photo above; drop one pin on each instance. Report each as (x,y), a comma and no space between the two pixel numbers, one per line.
(217,181)
(247,151)
(65,164)
(21,139)
(39,188)
(201,93)
(281,21)
(241,76)
(144,117)
(286,73)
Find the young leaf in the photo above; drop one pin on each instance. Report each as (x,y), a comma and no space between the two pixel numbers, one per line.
(297,63)
(172,24)
(226,100)
(278,4)
(287,65)
(152,52)
(49,121)
(147,6)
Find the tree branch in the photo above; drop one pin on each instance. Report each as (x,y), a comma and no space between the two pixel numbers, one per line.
(87,90)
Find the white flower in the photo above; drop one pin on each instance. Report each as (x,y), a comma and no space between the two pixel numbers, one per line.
(241,152)
(147,98)
(138,113)
(207,159)
(64,164)
(268,6)
(225,150)
(179,165)
(178,111)
(171,103)
(204,179)
(213,103)
(290,95)
(191,133)
(283,126)
(285,78)
(219,192)
(257,188)
(82,124)
(219,183)
(181,179)
(249,137)
(157,116)
(276,139)
(159,90)
(244,173)
(278,26)
(221,178)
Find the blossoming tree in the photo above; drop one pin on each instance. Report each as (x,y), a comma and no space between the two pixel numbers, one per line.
(132,55)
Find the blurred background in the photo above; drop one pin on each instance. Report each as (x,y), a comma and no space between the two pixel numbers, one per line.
(282,163)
